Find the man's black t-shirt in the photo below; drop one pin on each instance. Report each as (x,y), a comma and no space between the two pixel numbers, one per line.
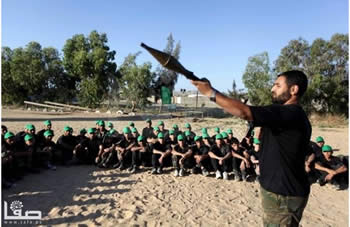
(181,150)
(317,150)
(220,151)
(147,132)
(334,163)
(203,150)
(160,147)
(286,133)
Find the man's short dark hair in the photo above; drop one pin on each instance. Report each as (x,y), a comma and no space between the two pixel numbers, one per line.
(235,141)
(296,77)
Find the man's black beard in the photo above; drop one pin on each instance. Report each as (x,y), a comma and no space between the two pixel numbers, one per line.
(281,99)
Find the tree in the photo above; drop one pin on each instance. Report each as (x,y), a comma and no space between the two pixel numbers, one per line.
(326,65)
(295,56)
(257,78)
(9,88)
(58,85)
(167,77)
(90,61)
(136,80)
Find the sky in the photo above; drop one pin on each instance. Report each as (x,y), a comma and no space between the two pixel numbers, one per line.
(217,37)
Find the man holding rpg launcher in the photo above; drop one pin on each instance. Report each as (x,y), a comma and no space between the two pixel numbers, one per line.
(285,137)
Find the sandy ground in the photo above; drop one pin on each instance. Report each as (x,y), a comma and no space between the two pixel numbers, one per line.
(88,196)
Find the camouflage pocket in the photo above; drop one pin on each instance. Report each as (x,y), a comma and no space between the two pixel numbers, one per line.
(281,210)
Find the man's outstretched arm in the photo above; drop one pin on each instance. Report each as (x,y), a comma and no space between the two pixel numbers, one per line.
(233,106)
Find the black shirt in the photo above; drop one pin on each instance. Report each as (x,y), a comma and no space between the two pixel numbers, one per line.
(203,150)
(160,147)
(147,132)
(317,150)
(222,151)
(286,133)
(181,150)
(66,143)
(334,163)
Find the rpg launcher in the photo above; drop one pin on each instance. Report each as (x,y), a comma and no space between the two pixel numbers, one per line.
(169,62)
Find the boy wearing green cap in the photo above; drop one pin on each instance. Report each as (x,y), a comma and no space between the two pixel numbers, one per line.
(10,171)
(141,155)
(48,150)
(124,149)
(21,159)
(189,133)
(240,161)
(102,132)
(189,138)
(177,131)
(182,157)
(66,144)
(162,129)
(201,156)
(134,133)
(31,147)
(254,157)
(221,157)
(315,153)
(216,132)
(161,156)
(87,150)
(207,140)
(330,168)
(47,126)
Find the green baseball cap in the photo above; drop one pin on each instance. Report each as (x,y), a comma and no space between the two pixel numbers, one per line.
(47,122)
(160,135)
(180,137)
(134,130)
(30,127)
(131,124)
(196,138)
(175,126)
(139,138)
(156,129)
(229,131)
(8,135)
(326,148)
(83,130)
(218,137)
(217,129)
(112,131)
(48,133)
(206,136)
(97,122)
(187,125)
(91,130)
(256,141)
(28,137)
(160,123)
(110,124)
(204,130)
(319,139)
(66,128)
(101,123)
(171,132)
(187,133)
(224,135)
(126,130)
(148,120)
